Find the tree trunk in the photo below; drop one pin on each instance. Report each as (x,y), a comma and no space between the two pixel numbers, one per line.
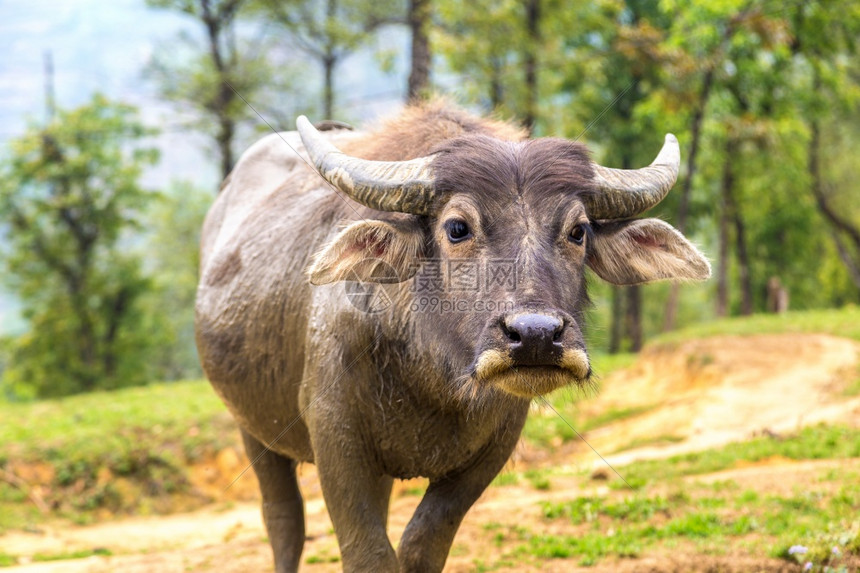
(723,263)
(852,265)
(419,76)
(670,315)
(722,306)
(743,264)
(224,137)
(328,88)
(737,221)
(496,89)
(329,60)
(616,318)
(215,24)
(531,66)
(118,308)
(633,317)
(838,223)
(632,311)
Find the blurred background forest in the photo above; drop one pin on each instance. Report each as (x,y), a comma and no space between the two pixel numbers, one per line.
(102,198)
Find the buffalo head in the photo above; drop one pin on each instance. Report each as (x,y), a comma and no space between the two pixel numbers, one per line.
(521,220)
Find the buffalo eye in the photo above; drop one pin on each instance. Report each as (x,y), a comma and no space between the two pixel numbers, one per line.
(457,230)
(577,234)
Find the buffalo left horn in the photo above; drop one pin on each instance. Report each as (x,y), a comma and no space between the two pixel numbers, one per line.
(402,186)
(625,193)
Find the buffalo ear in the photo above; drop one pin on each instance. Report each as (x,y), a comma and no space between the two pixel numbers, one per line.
(368,251)
(644,250)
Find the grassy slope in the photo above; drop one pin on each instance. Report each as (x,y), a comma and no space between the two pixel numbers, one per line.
(124,451)
(147,436)
(662,507)
(842,322)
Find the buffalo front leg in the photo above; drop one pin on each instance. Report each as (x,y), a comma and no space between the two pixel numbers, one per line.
(428,536)
(283,508)
(357,502)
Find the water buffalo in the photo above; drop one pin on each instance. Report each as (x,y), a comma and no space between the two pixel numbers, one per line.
(385,304)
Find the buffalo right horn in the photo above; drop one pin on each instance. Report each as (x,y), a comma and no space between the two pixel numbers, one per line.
(625,193)
(402,186)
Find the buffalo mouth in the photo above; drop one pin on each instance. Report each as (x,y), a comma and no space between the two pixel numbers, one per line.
(497,368)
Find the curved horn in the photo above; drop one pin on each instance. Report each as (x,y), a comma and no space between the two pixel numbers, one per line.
(403,186)
(624,193)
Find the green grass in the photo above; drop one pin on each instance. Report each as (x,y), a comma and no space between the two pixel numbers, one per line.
(95,424)
(811,443)
(110,450)
(539,479)
(71,555)
(669,510)
(7,560)
(852,389)
(322,558)
(650,441)
(625,525)
(844,322)
(506,478)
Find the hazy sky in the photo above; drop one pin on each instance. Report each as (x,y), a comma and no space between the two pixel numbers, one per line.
(103,45)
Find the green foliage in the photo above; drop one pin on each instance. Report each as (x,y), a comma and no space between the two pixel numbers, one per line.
(329,31)
(485,41)
(227,78)
(751,80)
(70,197)
(173,257)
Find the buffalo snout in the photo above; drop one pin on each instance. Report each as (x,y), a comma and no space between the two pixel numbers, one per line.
(533,339)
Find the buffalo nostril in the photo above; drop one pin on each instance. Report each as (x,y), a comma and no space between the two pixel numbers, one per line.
(512,335)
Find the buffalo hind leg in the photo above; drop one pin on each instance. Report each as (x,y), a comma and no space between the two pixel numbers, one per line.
(283,508)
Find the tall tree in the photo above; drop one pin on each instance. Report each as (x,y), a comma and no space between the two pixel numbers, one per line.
(480,40)
(421,56)
(218,77)
(530,60)
(68,193)
(329,31)
(172,246)
(824,40)
(702,59)
(506,52)
(629,38)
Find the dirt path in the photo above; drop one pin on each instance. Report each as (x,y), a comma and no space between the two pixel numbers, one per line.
(697,395)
